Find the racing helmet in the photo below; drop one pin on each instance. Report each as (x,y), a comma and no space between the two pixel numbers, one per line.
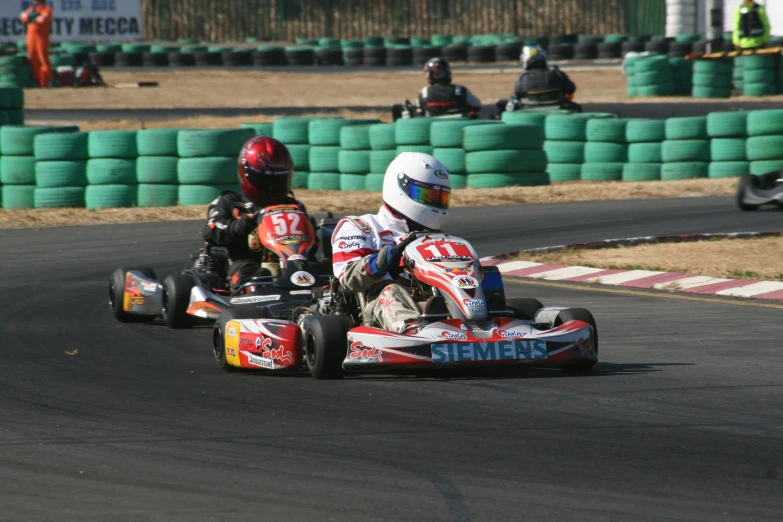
(438,71)
(265,170)
(417,187)
(534,57)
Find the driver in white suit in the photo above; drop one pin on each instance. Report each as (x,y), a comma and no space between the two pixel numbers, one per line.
(416,193)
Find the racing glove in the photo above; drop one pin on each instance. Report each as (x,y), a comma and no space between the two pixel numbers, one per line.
(31,17)
(511,105)
(388,257)
(242,226)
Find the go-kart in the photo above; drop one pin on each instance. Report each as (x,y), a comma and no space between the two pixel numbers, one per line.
(199,293)
(465,320)
(755,191)
(539,103)
(407,110)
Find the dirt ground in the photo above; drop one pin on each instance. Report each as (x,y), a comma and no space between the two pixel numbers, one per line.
(729,258)
(320,201)
(215,89)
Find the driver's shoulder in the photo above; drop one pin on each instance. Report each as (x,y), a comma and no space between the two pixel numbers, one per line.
(359,228)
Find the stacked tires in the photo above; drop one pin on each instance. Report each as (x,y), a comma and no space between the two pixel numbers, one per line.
(765,143)
(156,168)
(413,135)
(17,164)
(504,155)
(60,169)
(324,136)
(644,139)
(382,153)
(207,163)
(760,74)
(111,169)
(565,145)
(682,74)
(606,151)
(11,105)
(354,158)
(446,140)
(737,73)
(293,132)
(711,79)
(653,76)
(686,150)
(728,136)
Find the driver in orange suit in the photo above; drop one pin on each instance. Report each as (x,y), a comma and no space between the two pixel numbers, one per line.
(39,27)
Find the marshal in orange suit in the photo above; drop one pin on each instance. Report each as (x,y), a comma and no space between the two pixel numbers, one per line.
(39,27)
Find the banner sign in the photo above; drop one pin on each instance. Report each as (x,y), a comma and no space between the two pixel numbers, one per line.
(77,20)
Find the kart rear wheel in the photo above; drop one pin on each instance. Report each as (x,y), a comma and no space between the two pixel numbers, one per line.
(579,314)
(117,293)
(524,308)
(745,183)
(219,336)
(325,345)
(176,298)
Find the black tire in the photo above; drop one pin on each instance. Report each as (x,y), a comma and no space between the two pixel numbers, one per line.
(745,183)
(176,298)
(397,57)
(657,46)
(237,58)
(155,59)
(128,59)
(680,49)
(561,52)
(102,59)
(218,338)
(609,50)
(329,56)
(456,53)
(117,290)
(586,51)
(524,308)
(508,52)
(578,314)
(302,56)
(354,57)
(632,47)
(269,57)
(374,56)
(481,53)
(325,346)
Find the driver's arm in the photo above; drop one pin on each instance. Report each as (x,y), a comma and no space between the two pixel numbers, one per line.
(223,227)
(473,101)
(356,263)
(568,86)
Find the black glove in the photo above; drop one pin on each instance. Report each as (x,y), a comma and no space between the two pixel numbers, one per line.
(242,226)
(389,256)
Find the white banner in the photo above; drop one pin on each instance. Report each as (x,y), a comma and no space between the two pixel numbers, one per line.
(77,20)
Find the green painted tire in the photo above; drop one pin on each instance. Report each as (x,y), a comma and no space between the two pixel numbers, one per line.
(760,76)
(355,137)
(565,151)
(502,137)
(18,140)
(728,149)
(602,171)
(728,169)
(157,169)
(642,172)
(501,161)
(212,143)
(562,127)
(156,195)
(448,133)
(59,197)
(111,171)
(202,194)
(711,92)
(765,123)
(54,146)
(645,153)
(713,66)
(373,182)
(112,144)
(354,162)
(299,180)
(759,89)
(380,160)
(458,181)
(684,170)
(324,159)
(651,63)
(760,148)
(323,181)
(675,151)
(763,167)
(562,172)
(423,149)
(326,131)
(291,131)
(661,89)
(207,171)
(691,128)
(53,174)
(300,154)
(605,152)
(18,197)
(110,196)
(382,136)
(606,130)
(265,129)
(17,170)
(157,142)
(507,179)
(645,131)
(653,77)
(524,118)
(413,131)
(352,182)
(727,124)
(754,62)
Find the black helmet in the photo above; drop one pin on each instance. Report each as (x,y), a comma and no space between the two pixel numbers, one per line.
(438,71)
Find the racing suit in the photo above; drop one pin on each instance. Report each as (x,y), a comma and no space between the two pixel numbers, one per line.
(230,225)
(542,87)
(443,100)
(39,25)
(358,246)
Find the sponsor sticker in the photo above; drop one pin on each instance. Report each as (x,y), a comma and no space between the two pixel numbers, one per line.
(303,279)
(457,336)
(442,174)
(475,305)
(492,351)
(352,238)
(464,282)
(459,270)
(300,292)
(261,362)
(297,257)
(137,300)
(358,351)
(348,245)
(254,299)
(585,347)
(510,335)
(149,287)
(232,332)
(361,224)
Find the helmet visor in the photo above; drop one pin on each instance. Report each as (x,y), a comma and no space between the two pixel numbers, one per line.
(436,196)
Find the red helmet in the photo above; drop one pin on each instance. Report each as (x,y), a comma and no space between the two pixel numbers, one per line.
(265,170)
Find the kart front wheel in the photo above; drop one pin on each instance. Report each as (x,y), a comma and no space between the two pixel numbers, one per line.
(325,346)
(117,292)
(176,299)
(745,183)
(579,314)
(524,308)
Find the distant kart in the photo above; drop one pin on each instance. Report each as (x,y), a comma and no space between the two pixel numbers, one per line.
(199,293)
(407,110)
(465,321)
(755,191)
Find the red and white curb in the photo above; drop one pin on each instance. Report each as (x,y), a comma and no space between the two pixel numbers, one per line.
(648,279)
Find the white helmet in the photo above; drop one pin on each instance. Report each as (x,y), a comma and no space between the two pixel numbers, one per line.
(417,186)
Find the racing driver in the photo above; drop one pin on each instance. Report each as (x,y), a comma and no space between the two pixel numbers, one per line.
(416,192)
(538,85)
(441,97)
(265,173)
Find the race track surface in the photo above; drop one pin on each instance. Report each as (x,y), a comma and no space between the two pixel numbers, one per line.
(682,419)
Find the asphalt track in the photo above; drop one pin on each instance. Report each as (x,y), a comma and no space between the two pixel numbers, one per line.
(681,420)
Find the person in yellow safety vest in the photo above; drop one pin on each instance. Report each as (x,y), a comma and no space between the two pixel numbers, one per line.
(751,26)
